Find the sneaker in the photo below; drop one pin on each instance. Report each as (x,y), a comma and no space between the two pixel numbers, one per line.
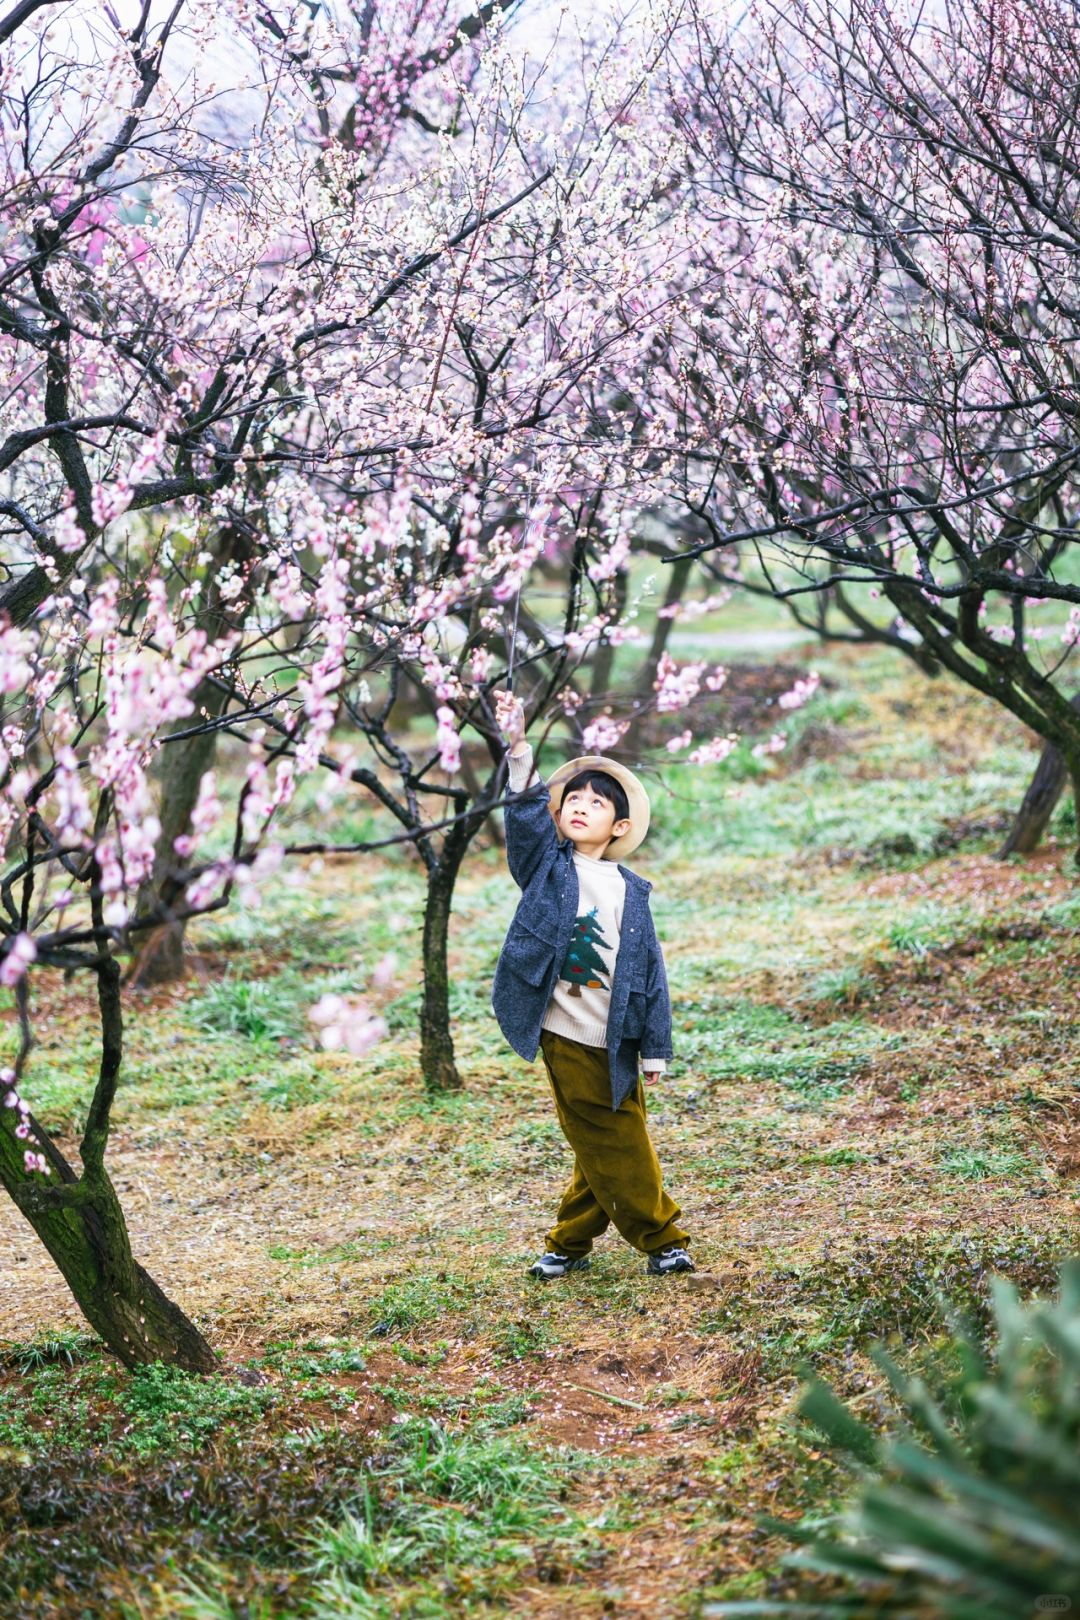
(664,1261)
(557,1265)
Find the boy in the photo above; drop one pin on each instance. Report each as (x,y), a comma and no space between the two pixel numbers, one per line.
(582,975)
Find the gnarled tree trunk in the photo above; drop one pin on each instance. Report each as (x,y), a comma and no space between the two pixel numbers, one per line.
(81,1223)
(1040,800)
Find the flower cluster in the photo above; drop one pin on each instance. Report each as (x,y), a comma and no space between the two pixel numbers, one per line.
(603,734)
(800,693)
(32,1160)
(349,1025)
(675,687)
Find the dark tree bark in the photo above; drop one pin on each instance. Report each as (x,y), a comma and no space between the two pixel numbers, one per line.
(437,1062)
(1040,800)
(81,1223)
(604,659)
(161,956)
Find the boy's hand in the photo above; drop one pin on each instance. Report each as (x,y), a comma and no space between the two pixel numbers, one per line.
(510,717)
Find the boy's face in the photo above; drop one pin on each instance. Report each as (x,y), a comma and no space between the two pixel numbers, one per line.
(588,820)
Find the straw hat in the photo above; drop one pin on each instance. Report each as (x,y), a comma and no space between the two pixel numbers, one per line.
(636,798)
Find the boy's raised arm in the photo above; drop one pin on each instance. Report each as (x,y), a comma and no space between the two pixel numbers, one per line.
(530,831)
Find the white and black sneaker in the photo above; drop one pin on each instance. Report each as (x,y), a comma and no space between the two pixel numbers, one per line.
(665,1261)
(557,1265)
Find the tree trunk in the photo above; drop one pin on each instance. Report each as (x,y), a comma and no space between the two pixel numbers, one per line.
(1074,774)
(161,956)
(1040,800)
(604,658)
(81,1224)
(436,1042)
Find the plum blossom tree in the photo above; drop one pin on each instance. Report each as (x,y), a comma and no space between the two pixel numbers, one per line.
(872,383)
(276,357)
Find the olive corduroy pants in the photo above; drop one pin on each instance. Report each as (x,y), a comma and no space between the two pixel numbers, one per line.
(616,1177)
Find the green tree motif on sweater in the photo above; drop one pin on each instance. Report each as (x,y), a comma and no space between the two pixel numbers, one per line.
(584,965)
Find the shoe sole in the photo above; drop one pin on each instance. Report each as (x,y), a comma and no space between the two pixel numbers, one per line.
(554,1276)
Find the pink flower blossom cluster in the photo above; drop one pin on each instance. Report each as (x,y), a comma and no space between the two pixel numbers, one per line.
(349,1025)
(20,952)
(676,687)
(696,608)
(801,692)
(711,753)
(32,1160)
(448,739)
(603,734)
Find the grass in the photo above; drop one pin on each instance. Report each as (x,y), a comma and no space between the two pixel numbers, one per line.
(872,1102)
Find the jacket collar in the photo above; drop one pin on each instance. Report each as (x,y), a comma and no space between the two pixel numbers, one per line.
(635,879)
(566,847)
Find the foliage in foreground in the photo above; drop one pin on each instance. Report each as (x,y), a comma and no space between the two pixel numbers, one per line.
(441,1518)
(969,1511)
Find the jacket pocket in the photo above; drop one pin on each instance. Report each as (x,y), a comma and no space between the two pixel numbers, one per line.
(636,1003)
(527,953)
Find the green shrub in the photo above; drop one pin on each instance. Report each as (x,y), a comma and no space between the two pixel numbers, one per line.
(968,1511)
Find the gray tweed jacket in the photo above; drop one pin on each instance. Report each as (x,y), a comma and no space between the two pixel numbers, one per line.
(542,865)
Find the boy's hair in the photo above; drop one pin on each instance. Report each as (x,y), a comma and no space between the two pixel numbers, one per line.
(607,787)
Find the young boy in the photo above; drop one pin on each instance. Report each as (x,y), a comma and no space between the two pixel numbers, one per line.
(581,975)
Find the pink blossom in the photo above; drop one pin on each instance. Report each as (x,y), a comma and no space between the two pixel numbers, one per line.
(612,560)
(480,662)
(66,533)
(329,1009)
(103,615)
(108,501)
(711,753)
(676,687)
(15,667)
(683,740)
(347,1025)
(383,972)
(20,953)
(800,693)
(361,1036)
(448,740)
(207,811)
(603,734)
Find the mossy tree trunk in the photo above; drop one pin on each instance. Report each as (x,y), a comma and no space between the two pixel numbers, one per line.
(1040,800)
(437,1060)
(81,1223)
